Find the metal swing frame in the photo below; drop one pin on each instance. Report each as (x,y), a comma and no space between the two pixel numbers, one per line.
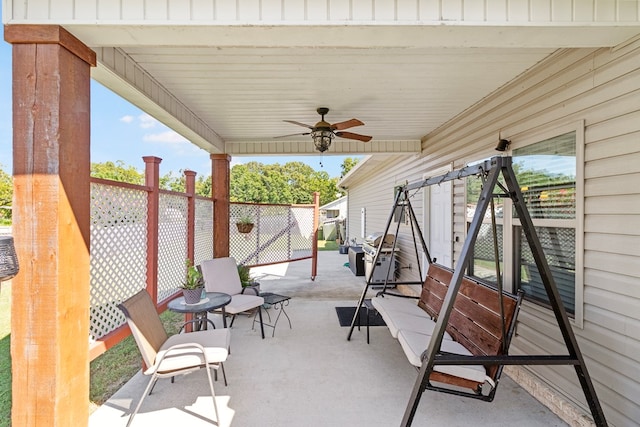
(492,170)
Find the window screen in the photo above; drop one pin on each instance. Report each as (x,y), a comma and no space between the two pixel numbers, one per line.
(546,173)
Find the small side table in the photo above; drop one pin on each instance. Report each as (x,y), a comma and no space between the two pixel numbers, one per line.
(278,302)
(211,301)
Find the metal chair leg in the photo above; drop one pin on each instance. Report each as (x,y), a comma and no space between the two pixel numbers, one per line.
(154,384)
(213,395)
(261,324)
(224,375)
(147,390)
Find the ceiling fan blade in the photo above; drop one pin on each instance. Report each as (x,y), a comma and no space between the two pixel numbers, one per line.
(293,134)
(298,123)
(346,124)
(349,135)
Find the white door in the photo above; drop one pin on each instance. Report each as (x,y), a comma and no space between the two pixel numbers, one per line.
(438,221)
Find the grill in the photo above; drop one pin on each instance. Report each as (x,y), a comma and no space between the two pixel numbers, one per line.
(371,243)
(385,267)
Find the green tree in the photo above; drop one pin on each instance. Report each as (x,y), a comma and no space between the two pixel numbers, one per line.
(348,164)
(293,182)
(203,185)
(117,171)
(6,194)
(173,183)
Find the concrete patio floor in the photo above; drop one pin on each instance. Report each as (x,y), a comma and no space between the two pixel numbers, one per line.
(310,375)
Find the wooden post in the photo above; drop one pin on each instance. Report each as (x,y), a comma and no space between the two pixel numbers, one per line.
(220,172)
(152,180)
(51,213)
(190,188)
(314,250)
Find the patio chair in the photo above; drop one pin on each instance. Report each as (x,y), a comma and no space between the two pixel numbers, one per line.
(221,275)
(167,356)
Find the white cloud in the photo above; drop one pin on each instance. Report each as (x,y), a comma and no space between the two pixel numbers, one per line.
(169,136)
(146,121)
(127,119)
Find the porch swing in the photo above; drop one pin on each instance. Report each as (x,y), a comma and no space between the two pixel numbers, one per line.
(457,306)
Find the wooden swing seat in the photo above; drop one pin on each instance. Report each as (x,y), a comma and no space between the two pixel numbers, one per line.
(474,329)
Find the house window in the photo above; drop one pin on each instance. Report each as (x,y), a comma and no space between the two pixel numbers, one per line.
(546,173)
(483,260)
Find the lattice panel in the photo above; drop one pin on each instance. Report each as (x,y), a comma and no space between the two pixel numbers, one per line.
(172,243)
(118,252)
(302,237)
(280,233)
(203,240)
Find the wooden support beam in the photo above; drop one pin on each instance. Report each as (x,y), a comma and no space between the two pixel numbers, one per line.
(220,172)
(51,210)
(152,181)
(190,188)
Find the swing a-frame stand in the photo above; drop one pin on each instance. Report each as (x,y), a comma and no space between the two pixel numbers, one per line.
(490,171)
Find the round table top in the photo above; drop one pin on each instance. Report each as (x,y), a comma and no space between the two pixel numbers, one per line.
(211,301)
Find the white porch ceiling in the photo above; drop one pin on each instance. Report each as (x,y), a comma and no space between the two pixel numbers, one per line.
(231,93)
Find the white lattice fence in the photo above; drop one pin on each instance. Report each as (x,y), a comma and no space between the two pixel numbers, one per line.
(203,239)
(119,243)
(118,252)
(281,233)
(303,234)
(172,243)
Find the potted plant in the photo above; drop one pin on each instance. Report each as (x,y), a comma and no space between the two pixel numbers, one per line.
(192,285)
(245,278)
(244,224)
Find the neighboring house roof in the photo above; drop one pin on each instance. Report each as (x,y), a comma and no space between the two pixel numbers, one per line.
(336,204)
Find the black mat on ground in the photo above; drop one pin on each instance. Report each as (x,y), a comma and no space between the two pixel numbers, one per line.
(345,315)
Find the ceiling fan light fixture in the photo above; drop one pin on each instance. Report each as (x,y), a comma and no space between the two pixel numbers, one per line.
(322,139)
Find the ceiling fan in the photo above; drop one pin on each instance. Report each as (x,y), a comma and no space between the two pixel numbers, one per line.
(323,132)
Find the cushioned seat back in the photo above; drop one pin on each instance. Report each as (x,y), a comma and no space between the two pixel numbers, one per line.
(221,275)
(145,325)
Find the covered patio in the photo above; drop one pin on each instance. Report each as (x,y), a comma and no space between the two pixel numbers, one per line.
(311,375)
(236,78)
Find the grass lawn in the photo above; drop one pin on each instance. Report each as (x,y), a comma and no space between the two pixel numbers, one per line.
(5,358)
(327,245)
(110,371)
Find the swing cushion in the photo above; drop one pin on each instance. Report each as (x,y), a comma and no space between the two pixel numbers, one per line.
(397,322)
(400,313)
(391,304)
(415,343)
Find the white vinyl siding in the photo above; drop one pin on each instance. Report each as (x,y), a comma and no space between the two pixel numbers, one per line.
(376,193)
(600,90)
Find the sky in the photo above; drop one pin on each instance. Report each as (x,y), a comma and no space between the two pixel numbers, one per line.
(121,131)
